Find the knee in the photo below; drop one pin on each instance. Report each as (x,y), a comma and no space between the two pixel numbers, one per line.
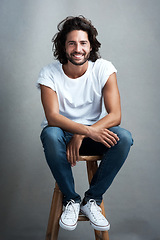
(125,137)
(51,135)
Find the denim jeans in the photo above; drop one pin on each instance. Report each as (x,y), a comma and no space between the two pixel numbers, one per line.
(54,142)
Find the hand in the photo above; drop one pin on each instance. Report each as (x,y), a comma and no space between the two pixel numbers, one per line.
(105,136)
(73,149)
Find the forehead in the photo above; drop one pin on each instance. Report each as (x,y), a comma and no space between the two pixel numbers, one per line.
(77,35)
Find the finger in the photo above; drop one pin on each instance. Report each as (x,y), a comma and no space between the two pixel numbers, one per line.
(106,144)
(111,139)
(111,142)
(76,156)
(69,155)
(74,160)
(73,156)
(112,134)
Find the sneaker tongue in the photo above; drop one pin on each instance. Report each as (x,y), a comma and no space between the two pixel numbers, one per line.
(72,207)
(94,205)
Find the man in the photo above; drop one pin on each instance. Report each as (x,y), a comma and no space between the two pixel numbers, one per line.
(72,90)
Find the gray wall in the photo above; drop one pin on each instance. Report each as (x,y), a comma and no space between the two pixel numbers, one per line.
(130,36)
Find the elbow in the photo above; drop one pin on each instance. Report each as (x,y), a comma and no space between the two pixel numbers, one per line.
(51,123)
(52,120)
(117,119)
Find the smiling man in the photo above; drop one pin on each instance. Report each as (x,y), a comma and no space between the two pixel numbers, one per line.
(72,91)
(77,47)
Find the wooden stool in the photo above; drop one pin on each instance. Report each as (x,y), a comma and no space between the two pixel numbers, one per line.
(56,205)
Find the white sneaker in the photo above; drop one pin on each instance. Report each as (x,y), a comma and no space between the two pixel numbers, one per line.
(69,217)
(93,212)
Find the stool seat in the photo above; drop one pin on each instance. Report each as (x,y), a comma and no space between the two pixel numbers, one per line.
(57,206)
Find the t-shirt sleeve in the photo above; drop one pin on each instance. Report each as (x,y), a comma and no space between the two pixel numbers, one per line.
(107,68)
(45,78)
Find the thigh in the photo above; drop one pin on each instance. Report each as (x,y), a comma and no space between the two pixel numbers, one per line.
(90,147)
(51,135)
(123,134)
(54,138)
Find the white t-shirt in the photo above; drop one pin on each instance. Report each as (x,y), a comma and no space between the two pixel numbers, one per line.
(79,99)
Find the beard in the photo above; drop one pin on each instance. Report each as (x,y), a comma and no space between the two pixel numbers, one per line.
(77,63)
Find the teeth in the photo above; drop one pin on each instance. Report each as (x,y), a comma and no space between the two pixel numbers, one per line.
(77,56)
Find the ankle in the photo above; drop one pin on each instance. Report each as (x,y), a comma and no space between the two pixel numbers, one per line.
(84,202)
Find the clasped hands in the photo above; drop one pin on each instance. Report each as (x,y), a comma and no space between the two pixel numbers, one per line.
(104,136)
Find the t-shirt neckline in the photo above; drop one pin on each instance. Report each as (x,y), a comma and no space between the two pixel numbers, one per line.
(73,79)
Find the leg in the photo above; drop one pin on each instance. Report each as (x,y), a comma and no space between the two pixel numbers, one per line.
(111,163)
(91,169)
(54,142)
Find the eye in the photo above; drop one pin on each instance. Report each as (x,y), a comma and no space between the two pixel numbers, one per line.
(71,43)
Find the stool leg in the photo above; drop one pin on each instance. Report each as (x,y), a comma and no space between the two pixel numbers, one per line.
(104,234)
(55,213)
(91,170)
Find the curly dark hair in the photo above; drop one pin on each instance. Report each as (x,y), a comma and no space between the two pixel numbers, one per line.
(74,23)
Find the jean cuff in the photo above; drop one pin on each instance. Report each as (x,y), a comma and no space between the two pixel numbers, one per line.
(86,199)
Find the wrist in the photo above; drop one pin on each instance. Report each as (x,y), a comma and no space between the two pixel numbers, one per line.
(89,131)
(79,136)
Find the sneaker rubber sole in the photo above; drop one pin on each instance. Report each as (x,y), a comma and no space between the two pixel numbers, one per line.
(98,227)
(67,227)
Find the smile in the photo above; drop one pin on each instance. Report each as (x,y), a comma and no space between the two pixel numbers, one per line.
(77,55)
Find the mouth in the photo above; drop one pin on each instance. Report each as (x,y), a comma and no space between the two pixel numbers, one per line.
(77,55)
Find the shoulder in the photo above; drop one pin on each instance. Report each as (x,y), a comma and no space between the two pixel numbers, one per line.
(50,69)
(48,75)
(102,63)
(102,69)
(103,66)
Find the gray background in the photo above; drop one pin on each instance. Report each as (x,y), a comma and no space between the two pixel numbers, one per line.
(130,35)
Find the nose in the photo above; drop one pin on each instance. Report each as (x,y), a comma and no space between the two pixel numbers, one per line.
(78,47)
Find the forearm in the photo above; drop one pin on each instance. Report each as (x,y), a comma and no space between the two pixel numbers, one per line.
(108,121)
(58,120)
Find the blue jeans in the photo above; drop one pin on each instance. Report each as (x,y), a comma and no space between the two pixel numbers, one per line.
(54,142)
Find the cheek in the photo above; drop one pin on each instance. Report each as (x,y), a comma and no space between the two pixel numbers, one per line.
(69,49)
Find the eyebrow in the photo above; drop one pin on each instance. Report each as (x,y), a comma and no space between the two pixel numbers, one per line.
(84,41)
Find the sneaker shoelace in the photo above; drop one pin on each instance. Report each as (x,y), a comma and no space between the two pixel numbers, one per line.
(95,210)
(70,210)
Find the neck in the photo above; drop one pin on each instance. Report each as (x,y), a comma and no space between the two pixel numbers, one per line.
(74,71)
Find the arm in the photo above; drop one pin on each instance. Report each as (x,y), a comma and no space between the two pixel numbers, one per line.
(51,108)
(100,131)
(112,104)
